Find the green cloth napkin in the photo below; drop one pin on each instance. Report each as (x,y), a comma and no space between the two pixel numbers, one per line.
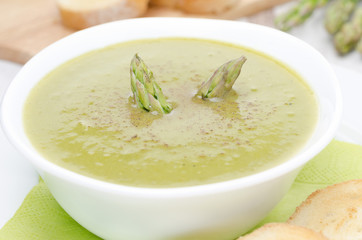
(40,216)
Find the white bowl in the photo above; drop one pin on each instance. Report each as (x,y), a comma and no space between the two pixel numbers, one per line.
(214,211)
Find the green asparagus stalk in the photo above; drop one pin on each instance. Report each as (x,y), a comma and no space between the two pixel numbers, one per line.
(359,46)
(146,92)
(338,12)
(321,3)
(347,38)
(222,80)
(298,14)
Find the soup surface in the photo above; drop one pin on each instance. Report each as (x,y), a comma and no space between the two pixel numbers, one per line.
(82,116)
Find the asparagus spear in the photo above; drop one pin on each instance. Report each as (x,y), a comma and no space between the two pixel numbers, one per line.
(298,14)
(222,80)
(321,3)
(146,92)
(359,46)
(338,13)
(349,35)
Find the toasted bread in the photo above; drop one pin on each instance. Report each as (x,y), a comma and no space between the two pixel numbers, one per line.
(335,211)
(80,14)
(283,231)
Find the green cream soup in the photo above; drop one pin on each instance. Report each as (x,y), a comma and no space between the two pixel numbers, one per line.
(82,117)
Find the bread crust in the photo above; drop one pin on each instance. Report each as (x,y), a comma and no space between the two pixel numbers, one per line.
(164,3)
(79,15)
(197,6)
(283,231)
(335,211)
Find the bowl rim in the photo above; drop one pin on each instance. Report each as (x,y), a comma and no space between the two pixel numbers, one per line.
(269,174)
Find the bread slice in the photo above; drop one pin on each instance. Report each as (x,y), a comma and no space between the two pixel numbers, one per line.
(197,6)
(80,14)
(282,231)
(335,211)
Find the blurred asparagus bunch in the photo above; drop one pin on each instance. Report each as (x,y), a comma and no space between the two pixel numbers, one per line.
(343,20)
(349,34)
(298,14)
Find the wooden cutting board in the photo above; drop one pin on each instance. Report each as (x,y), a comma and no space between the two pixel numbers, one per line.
(27,26)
